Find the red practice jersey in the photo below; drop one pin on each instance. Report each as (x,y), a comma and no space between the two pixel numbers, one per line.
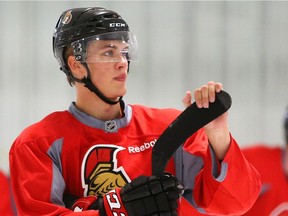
(72,153)
(6,204)
(273,198)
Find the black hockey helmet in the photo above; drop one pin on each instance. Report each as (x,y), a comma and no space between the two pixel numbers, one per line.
(76,27)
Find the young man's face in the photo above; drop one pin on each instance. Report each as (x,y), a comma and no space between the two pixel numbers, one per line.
(108,64)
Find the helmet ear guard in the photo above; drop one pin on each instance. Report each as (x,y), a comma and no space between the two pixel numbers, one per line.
(79,48)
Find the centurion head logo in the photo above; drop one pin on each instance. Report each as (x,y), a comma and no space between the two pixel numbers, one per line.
(100,173)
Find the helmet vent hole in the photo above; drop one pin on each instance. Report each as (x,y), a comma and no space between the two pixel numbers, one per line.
(111,16)
(94,19)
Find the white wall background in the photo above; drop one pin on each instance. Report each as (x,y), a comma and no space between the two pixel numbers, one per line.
(183,44)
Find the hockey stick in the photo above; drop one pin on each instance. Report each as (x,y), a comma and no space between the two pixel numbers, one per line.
(186,124)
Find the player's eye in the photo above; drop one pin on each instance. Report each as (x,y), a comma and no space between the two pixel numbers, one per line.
(109,53)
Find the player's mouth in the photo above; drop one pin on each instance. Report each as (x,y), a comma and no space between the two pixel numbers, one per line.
(121,78)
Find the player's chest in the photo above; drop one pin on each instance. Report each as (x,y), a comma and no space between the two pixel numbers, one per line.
(102,162)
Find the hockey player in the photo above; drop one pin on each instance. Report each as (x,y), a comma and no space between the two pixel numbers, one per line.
(272,164)
(7,207)
(94,158)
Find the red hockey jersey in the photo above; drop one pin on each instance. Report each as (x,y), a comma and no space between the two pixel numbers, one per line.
(6,204)
(273,198)
(72,153)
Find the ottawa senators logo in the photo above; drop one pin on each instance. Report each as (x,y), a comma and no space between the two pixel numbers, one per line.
(100,173)
(67,17)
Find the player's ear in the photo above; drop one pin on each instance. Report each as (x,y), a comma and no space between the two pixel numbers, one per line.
(76,67)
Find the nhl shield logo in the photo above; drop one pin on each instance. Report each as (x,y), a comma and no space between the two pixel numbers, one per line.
(111,126)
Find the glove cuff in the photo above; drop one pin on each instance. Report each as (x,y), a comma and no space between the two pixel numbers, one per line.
(85,203)
(113,204)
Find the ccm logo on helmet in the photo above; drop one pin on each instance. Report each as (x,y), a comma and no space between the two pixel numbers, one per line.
(117,25)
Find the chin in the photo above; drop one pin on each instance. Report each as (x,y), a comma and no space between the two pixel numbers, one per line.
(121,92)
(116,97)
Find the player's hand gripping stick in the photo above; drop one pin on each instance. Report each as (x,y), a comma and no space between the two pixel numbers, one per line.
(186,124)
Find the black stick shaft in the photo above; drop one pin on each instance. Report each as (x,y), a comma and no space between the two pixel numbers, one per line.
(186,124)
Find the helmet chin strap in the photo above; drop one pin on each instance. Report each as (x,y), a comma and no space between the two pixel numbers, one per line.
(93,88)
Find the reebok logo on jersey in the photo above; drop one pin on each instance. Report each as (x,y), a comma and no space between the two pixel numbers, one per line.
(145,146)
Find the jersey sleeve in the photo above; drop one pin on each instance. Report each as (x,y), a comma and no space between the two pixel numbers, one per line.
(6,204)
(227,187)
(32,169)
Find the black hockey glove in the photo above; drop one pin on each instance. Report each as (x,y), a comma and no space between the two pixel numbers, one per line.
(145,195)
